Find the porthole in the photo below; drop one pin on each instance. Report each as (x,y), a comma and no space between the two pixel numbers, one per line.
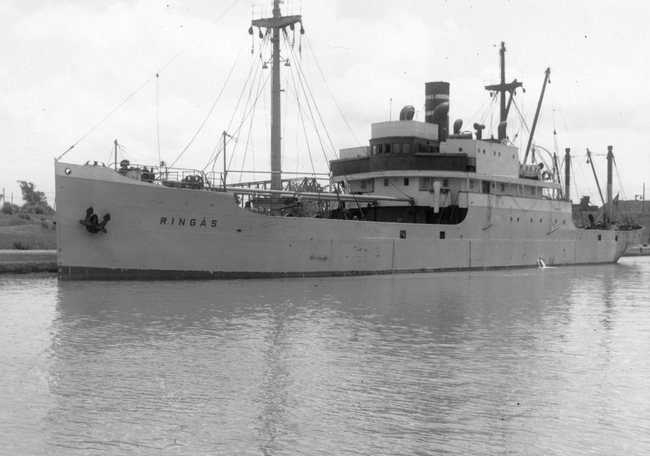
(68,171)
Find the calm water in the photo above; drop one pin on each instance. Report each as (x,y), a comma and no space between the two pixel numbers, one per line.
(552,361)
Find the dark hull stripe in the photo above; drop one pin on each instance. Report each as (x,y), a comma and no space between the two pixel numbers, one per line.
(86,273)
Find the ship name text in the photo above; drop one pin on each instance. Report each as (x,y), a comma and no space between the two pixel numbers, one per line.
(184,221)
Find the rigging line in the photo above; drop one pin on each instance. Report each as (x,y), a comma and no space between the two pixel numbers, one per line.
(111,154)
(309,97)
(618,177)
(312,100)
(521,117)
(193,42)
(283,135)
(371,158)
(488,113)
(210,111)
(320,116)
(626,212)
(216,150)
(330,92)
(251,101)
(254,64)
(566,127)
(555,142)
(251,104)
(248,82)
(248,142)
(302,121)
(251,111)
(106,117)
(477,111)
(169,62)
(307,101)
(297,138)
(158,114)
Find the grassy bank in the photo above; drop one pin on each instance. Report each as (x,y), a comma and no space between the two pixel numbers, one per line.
(27,232)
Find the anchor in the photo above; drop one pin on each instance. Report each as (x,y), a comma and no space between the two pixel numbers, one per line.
(92,223)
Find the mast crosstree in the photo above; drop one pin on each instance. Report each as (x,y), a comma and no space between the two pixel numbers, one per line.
(502,88)
(276,25)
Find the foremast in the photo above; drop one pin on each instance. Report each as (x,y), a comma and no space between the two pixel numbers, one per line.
(276,25)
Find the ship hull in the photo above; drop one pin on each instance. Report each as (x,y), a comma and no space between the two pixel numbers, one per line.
(156,232)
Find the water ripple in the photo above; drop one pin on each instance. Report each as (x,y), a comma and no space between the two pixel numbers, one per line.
(497,362)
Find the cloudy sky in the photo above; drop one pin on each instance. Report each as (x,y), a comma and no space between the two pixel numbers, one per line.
(66,65)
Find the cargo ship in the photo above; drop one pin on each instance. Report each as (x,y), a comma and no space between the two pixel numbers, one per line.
(420,197)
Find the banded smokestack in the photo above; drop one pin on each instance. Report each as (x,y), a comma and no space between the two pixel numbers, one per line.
(436,106)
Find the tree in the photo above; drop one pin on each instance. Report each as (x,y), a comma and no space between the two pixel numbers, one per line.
(35,201)
(30,194)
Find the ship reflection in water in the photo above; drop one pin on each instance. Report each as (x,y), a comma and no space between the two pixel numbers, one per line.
(533,361)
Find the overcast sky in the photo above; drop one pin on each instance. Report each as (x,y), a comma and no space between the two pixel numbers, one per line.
(66,65)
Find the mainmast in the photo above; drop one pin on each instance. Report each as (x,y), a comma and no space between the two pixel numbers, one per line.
(276,25)
(502,88)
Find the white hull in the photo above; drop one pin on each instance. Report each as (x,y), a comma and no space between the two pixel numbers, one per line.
(157,232)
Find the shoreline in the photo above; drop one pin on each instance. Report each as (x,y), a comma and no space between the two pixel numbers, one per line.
(25,261)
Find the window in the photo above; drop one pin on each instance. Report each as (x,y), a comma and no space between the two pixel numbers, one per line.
(367,184)
(445,182)
(375,149)
(425,184)
(387,148)
(406,181)
(486,186)
(406,148)
(385,182)
(402,234)
(397,148)
(442,235)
